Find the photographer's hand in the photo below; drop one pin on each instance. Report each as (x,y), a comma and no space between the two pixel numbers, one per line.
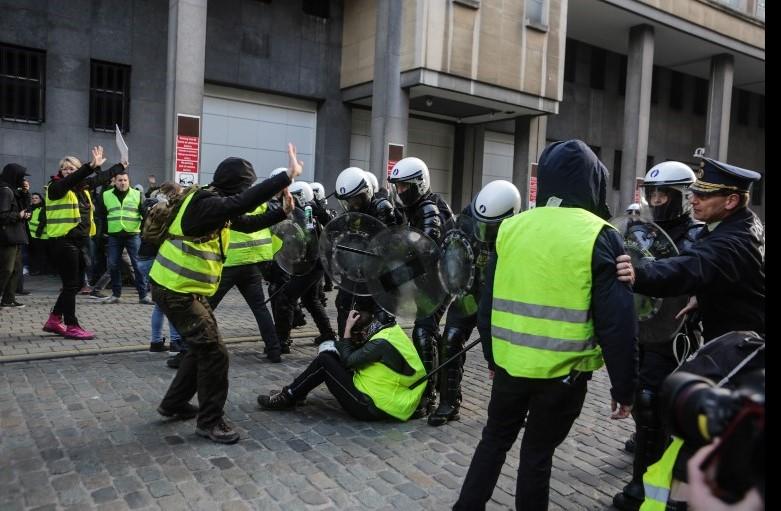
(701,497)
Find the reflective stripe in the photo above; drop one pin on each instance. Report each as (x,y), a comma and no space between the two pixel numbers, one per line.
(112,209)
(55,207)
(656,493)
(250,243)
(50,221)
(185,272)
(541,311)
(540,341)
(187,249)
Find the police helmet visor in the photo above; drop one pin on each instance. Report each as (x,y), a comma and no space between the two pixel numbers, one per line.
(666,202)
(407,192)
(486,232)
(358,202)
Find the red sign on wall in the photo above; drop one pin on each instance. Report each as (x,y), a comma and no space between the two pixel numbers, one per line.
(395,153)
(533,186)
(188,149)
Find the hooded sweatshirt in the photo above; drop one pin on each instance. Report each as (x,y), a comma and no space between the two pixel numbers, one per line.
(13,200)
(571,172)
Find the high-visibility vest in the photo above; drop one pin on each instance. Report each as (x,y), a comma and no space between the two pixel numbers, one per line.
(658,479)
(541,325)
(388,389)
(252,247)
(188,266)
(35,221)
(125,215)
(62,215)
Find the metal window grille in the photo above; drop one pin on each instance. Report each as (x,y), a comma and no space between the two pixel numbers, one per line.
(22,84)
(109,96)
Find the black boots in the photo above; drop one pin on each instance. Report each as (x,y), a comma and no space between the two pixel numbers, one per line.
(281,400)
(449,379)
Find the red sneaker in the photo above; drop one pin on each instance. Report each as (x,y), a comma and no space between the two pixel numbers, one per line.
(78,333)
(54,325)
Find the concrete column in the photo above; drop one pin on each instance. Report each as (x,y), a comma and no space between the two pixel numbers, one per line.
(637,109)
(530,139)
(185,74)
(390,103)
(722,71)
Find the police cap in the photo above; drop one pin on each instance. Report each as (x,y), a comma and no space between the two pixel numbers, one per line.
(716,176)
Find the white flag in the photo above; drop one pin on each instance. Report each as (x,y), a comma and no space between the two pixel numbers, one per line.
(121,145)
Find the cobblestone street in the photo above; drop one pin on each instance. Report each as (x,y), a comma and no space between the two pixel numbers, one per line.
(81,432)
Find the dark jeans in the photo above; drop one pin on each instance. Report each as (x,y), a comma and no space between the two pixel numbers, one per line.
(307,288)
(97,258)
(552,408)
(204,368)
(249,280)
(115,246)
(10,271)
(327,368)
(71,265)
(39,261)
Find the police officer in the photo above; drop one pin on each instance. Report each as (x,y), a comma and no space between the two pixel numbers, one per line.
(497,201)
(428,212)
(666,189)
(187,270)
(323,215)
(725,267)
(356,195)
(551,310)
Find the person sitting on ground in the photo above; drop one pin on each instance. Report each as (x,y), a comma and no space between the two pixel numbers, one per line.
(369,371)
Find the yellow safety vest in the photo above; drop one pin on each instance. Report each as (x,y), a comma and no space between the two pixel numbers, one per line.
(541,325)
(659,477)
(62,215)
(189,266)
(388,389)
(124,215)
(35,221)
(249,248)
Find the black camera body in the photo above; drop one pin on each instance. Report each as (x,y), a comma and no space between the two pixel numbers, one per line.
(697,411)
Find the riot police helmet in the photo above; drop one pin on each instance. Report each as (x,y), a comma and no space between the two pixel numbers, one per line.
(411,180)
(666,189)
(634,209)
(319,190)
(302,193)
(372,180)
(353,189)
(497,200)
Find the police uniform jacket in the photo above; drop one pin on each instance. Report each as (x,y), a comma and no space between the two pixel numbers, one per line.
(724,268)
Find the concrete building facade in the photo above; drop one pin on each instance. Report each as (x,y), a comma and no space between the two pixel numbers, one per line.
(476,88)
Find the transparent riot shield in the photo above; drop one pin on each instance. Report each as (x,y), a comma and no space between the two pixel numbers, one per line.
(295,246)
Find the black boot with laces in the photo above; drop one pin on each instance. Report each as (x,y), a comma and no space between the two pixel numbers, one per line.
(221,432)
(281,400)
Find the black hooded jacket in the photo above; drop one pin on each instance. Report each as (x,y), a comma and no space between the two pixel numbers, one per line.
(13,200)
(571,172)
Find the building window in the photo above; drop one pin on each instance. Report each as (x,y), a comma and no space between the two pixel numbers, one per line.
(317,8)
(570,60)
(700,105)
(598,57)
(617,170)
(744,107)
(109,96)
(22,83)
(676,90)
(537,13)
(649,162)
(761,113)
(655,78)
(622,75)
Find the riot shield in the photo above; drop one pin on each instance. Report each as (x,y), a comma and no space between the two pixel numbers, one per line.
(405,280)
(295,247)
(457,262)
(345,250)
(645,242)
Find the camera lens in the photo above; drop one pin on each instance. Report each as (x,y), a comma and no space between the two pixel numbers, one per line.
(695,409)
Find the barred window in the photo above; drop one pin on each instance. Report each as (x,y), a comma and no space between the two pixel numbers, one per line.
(617,154)
(22,83)
(109,96)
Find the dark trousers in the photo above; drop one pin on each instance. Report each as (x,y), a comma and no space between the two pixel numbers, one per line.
(249,280)
(204,368)
(10,271)
(71,265)
(307,288)
(327,368)
(552,408)
(115,246)
(39,262)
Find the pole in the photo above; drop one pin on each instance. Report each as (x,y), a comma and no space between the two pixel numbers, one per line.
(446,362)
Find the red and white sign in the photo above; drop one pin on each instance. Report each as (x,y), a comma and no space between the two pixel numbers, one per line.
(188,149)
(533,186)
(395,153)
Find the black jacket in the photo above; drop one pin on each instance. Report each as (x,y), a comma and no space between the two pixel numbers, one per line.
(13,200)
(432,215)
(725,269)
(570,171)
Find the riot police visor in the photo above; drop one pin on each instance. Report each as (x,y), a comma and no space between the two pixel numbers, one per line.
(665,202)
(358,202)
(407,192)
(486,232)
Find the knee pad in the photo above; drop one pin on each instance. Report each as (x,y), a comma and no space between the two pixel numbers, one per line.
(646,410)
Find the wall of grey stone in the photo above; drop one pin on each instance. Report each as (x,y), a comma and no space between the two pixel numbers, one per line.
(275,47)
(130,32)
(596,117)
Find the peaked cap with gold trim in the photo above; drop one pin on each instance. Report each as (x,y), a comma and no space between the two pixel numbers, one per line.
(716,176)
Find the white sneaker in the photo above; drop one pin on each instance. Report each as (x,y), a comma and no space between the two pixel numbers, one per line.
(110,299)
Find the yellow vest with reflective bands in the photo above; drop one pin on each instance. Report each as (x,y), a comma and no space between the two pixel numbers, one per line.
(35,221)
(62,215)
(658,479)
(388,389)
(123,216)
(541,324)
(188,266)
(249,248)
